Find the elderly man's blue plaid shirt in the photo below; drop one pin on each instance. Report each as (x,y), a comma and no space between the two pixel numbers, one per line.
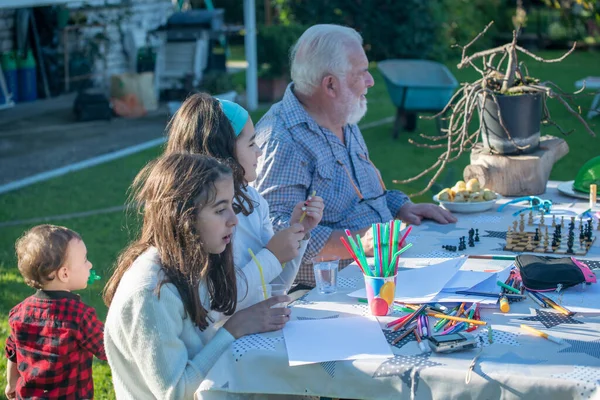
(300,157)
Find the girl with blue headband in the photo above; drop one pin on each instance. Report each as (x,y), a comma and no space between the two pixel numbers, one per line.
(224,130)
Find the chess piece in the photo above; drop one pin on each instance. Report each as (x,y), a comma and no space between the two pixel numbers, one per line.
(541,218)
(477,235)
(545,242)
(553,221)
(536,237)
(522,225)
(530,220)
(515,223)
(562,221)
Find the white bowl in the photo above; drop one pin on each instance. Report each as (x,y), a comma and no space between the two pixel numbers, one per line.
(467,207)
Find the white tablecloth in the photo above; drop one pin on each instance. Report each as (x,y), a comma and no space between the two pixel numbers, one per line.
(515,365)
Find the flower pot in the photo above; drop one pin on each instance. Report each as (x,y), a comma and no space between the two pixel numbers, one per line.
(271,89)
(521,115)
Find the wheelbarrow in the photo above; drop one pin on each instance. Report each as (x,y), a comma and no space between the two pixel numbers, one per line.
(417,86)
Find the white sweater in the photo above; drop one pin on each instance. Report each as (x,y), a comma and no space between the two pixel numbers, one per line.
(154,349)
(254,231)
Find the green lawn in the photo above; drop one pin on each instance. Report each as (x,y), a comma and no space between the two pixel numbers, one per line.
(106,186)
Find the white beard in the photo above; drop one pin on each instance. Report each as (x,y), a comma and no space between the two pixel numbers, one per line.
(357,111)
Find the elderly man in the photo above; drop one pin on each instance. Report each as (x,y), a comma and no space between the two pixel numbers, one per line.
(311,142)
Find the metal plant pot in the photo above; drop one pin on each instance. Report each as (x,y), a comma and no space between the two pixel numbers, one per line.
(522,116)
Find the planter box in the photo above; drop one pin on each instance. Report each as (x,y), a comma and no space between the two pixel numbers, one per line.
(271,89)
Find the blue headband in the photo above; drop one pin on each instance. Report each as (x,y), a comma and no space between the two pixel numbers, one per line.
(236,114)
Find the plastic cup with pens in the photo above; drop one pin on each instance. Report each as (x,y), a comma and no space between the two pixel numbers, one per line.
(380,277)
(380,294)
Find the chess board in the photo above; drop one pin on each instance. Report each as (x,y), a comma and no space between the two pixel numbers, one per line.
(524,241)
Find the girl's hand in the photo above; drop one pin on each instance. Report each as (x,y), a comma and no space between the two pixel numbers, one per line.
(313,207)
(10,392)
(286,243)
(259,318)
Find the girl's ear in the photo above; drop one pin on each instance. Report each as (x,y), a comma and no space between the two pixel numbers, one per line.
(63,274)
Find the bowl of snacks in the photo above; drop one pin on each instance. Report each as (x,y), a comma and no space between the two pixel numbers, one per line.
(467,197)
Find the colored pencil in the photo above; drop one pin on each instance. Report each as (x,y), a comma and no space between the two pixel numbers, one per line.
(314,192)
(452,318)
(405,334)
(541,334)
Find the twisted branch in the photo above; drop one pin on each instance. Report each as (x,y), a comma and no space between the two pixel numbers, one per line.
(494,81)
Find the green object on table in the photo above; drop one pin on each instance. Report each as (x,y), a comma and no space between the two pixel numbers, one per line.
(93,277)
(588,175)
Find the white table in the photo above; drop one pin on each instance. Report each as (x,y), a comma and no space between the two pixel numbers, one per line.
(515,365)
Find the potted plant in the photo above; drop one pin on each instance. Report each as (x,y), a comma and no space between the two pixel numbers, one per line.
(511,106)
(273,48)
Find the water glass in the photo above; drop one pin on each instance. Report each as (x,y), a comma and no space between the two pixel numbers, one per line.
(326,271)
(272,289)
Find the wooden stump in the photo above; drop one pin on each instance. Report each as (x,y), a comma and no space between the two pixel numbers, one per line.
(516,175)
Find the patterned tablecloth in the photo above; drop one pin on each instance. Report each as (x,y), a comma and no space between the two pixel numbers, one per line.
(514,365)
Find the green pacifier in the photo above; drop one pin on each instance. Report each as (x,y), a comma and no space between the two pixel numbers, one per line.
(93,277)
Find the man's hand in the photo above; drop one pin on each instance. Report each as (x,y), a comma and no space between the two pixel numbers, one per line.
(414,213)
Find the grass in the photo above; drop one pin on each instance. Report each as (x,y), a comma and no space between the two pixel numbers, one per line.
(106,186)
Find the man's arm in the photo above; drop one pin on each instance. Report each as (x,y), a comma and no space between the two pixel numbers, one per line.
(334,247)
(395,200)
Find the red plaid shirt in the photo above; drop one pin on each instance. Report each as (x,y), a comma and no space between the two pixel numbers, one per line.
(53,339)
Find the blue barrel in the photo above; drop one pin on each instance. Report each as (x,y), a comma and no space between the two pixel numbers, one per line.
(9,67)
(27,78)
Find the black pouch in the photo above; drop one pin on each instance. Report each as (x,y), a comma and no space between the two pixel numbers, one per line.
(546,273)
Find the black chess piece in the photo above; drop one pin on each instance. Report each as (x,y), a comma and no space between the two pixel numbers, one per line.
(471,242)
(477,235)
(570,246)
(536,237)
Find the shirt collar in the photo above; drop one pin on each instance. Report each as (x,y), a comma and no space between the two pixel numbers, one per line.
(55,294)
(294,112)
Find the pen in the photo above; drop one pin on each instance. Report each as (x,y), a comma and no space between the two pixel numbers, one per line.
(536,300)
(511,296)
(541,334)
(507,258)
(509,288)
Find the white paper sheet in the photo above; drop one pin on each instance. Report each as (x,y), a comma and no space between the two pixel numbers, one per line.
(490,285)
(321,340)
(464,280)
(421,284)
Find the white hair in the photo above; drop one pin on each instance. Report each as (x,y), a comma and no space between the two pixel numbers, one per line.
(322,50)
